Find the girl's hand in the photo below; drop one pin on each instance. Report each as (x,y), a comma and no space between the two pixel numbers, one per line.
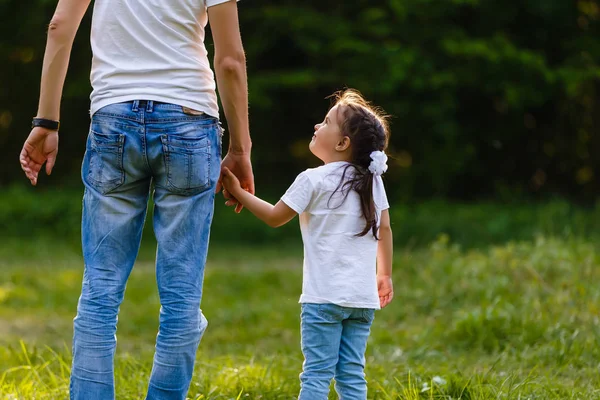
(385,287)
(230,181)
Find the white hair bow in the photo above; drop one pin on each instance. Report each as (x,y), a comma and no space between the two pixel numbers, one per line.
(378,163)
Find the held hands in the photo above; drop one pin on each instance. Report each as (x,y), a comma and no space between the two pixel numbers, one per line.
(238,169)
(232,190)
(40,147)
(385,288)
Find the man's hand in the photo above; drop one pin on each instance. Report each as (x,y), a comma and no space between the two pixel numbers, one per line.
(40,147)
(385,288)
(241,166)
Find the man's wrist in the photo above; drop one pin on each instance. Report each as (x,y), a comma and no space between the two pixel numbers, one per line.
(47,123)
(240,150)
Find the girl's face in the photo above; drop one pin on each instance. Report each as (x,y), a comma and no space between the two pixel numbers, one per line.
(328,143)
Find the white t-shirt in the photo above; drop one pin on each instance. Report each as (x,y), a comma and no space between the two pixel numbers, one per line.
(339,267)
(152,50)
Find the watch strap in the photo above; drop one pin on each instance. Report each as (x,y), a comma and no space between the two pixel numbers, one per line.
(46,123)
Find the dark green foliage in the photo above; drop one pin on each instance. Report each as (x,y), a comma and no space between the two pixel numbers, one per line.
(489,98)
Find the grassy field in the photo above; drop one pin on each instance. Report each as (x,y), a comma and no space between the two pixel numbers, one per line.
(515,321)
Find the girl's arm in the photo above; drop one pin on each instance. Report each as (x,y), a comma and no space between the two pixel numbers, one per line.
(385,251)
(273,215)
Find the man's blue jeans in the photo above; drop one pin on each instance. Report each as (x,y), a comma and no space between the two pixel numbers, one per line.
(133,148)
(334,341)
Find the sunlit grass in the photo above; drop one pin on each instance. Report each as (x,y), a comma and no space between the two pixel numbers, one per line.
(517,321)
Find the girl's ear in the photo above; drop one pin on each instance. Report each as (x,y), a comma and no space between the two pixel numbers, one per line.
(343,144)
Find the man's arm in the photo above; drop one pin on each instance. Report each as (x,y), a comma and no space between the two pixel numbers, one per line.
(42,144)
(230,70)
(61,34)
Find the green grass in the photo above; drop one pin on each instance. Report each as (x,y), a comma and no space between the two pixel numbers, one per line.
(515,321)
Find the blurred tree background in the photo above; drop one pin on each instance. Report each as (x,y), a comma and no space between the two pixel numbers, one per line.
(489,98)
(494,179)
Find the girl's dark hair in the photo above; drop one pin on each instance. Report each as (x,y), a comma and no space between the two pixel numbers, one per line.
(366,126)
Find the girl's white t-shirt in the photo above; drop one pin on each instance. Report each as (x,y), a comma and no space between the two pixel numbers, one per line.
(152,50)
(339,267)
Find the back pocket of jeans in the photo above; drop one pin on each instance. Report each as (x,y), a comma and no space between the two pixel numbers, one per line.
(106,161)
(187,162)
(331,312)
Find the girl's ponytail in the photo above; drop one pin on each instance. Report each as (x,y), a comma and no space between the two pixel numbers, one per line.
(367,128)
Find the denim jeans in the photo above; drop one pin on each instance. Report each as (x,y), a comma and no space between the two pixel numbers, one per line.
(334,341)
(132,149)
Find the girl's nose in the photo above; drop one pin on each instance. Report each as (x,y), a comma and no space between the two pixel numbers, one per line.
(317,126)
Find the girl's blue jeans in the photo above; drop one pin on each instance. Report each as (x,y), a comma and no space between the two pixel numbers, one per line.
(132,149)
(334,340)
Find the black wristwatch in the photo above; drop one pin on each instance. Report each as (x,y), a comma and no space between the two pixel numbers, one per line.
(45,123)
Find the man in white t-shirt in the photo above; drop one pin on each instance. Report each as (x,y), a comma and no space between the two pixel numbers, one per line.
(154,130)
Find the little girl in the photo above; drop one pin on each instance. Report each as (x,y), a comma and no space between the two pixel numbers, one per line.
(347,239)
